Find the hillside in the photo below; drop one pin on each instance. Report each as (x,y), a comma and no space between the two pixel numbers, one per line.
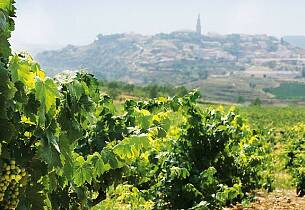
(178,57)
(298,41)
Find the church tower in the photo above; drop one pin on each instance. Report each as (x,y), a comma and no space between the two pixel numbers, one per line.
(198,26)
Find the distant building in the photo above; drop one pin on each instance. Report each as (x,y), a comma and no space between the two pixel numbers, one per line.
(198,26)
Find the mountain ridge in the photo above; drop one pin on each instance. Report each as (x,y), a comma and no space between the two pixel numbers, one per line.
(177,57)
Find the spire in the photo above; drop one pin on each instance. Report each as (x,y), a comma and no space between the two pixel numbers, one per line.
(198,26)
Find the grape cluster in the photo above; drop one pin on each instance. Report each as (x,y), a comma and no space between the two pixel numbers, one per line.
(10,184)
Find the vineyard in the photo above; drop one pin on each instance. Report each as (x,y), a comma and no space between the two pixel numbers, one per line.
(64,145)
(288,91)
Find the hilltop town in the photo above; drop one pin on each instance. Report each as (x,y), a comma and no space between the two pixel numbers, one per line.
(176,57)
(182,58)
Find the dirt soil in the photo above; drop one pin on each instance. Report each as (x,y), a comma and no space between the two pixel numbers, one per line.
(277,200)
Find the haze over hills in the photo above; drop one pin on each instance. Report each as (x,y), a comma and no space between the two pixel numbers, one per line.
(224,67)
(34,49)
(177,57)
(298,41)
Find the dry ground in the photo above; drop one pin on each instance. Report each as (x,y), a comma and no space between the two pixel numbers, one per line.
(277,200)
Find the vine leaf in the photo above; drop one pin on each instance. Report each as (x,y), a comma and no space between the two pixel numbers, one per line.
(83,171)
(4,4)
(32,198)
(25,70)
(3,22)
(66,148)
(76,89)
(144,119)
(99,166)
(46,94)
(131,147)
(50,155)
(7,91)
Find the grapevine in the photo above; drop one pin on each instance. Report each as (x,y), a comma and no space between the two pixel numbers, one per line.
(64,145)
(295,156)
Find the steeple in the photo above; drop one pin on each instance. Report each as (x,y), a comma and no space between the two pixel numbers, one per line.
(198,26)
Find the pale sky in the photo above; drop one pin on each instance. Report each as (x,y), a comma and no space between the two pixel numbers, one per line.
(62,22)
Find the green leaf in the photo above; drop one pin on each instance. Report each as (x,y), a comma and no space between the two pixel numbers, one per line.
(98,163)
(123,151)
(144,119)
(140,141)
(131,147)
(3,21)
(7,91)
(7,131)
(99,167)
(83,171)
(25,70)
(76,89)
(5,4)
(49,154)
(46,92)
(110,160)
(5,50)
(32,198)
(66,148)
(53,140)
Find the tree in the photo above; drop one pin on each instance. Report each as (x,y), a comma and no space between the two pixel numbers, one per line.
(113,85)
(181,91)
(241,99)
(129,88)
(256,102)
(153,91)
(252,85)
(113,93)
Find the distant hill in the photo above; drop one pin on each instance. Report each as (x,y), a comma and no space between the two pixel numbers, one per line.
(33,49)
(177,58)
(298,41)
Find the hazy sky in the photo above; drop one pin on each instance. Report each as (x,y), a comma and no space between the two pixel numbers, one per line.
(61,22)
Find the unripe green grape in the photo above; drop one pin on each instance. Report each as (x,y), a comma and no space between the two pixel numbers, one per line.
(18,177)
(7,177)
(9,184)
